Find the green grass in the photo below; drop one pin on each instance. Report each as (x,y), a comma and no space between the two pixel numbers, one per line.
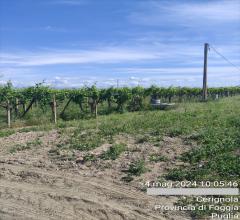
(6,133)
(21,147)
(85,141)
(89,157)
(113,152)
(46,127)
(57,154)
(176,175)
(213,125)
(137,168)
(157,158)
(216,157)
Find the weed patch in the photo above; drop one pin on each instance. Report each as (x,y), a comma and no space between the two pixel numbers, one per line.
(157,158)
(113,152)
(6,133)
(137,168)
(85,141)
(26,146)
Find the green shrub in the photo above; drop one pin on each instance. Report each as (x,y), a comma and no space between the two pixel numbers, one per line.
(137,168)
(113,152)
(176,174)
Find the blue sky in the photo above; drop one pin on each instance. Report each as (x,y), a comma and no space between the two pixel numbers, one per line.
(72,43)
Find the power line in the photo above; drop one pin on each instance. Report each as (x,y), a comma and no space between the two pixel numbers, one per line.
(237,67)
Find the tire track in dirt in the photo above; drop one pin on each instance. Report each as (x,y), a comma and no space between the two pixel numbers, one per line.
(101,198)
(99,184)
(32,186)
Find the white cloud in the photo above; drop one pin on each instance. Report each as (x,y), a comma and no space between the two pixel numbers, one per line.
(171,72)
(219,11)
(144,64)
(191,54)
(176,76)
(108,55)
(189,13)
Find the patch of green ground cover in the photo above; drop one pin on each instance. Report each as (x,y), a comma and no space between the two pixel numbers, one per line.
(150,138)
(61,154)
(37,116)
(157,158)
(194,116)
(26,146)
(89,157)
(113,152)
(135,169)
(6,133)
(46,127)
(213,125)
(216,157)
(85,141)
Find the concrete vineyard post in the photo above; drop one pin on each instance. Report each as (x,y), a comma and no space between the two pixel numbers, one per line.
(54,109)
(206,47)
(8,114)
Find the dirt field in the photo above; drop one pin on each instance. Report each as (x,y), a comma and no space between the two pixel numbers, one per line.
(37,184)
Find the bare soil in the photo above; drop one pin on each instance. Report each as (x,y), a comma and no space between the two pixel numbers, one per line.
(36,184)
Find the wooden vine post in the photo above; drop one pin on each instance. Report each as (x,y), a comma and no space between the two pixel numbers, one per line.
(54,109)
(8,114)
(96,110)
(17,106)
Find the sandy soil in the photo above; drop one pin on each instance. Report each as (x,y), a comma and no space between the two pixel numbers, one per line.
(34,184)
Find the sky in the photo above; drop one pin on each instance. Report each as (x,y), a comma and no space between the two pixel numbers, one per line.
(75,43)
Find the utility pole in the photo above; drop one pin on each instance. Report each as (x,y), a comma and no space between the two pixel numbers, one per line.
(206,47)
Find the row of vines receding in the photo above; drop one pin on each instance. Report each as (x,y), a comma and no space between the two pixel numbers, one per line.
(18,102)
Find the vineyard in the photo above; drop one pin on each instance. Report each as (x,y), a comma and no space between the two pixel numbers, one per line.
(84,152)
(88,102)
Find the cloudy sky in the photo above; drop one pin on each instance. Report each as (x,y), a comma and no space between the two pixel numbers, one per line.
(71,43)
